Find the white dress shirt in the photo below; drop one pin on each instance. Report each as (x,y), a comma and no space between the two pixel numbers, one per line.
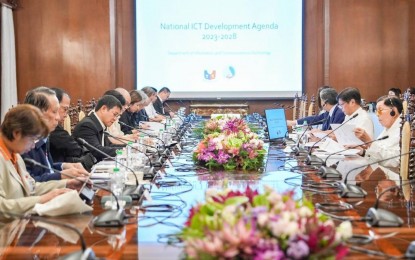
(383,149)
(363,121)
(151,112)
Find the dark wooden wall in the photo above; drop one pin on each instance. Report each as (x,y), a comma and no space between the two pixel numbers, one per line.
(87,47)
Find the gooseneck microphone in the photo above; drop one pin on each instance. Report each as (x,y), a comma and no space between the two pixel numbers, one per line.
(110,218)
(311,159)
(134,192)
(125,141)
(147,134)
(329,172)
(296,149)
(354,191)
(384,218)
(86,252)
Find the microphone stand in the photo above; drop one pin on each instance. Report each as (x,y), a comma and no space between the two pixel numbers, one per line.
(384,218)
(354,191)
(312,159)
(135,192)
(109,218)
(296,149)
(329,172)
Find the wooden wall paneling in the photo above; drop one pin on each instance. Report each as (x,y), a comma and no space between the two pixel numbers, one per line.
(355,49)
(126,37)
(411,46)
(63,43)
(395,44)
(369,45)
(313,46)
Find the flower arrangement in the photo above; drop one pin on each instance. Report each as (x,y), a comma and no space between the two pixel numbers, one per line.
(249,225)
(229,143)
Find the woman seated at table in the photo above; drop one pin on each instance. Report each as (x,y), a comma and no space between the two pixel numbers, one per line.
(19,192)
(130,114)
(388,110)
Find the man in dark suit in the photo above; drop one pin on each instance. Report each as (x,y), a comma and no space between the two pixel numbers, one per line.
(162,96)
(63,148)
(332,115)
(45,99)
(92,127)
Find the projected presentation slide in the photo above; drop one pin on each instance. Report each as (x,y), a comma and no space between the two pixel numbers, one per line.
(232,48)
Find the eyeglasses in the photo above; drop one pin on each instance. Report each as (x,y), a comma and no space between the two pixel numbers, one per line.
(116,115)
(380,110)
(341,105)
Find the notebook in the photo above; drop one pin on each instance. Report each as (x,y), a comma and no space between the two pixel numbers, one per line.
(277,124)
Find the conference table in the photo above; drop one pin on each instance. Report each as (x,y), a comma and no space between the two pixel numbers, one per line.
(180,186)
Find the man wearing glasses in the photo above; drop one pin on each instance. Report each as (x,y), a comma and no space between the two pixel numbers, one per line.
(349,100)
(332,115)
(63,147)
(92,127)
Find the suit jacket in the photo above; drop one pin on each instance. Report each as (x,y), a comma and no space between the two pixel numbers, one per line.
(91,131)
(18,195)
(159,107)
(63,147)
(128,118)
(336,118)
(141,116)
(39,154)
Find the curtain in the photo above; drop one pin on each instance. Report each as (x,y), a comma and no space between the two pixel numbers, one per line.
(8,62)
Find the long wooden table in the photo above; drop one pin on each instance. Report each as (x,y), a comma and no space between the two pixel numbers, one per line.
(147,238)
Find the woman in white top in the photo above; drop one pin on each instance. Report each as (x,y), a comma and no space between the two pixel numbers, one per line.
(388,110)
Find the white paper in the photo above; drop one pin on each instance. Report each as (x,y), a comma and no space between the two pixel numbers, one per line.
(345,134)
(64,204)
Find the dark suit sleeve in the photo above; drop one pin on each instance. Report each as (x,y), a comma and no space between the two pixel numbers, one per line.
(62,145)
(338,116)
(124,118)
(37,173)
(88,131)
(311,119)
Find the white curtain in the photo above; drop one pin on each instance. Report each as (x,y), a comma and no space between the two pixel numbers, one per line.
(8,62)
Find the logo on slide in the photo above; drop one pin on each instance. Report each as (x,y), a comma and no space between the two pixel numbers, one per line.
(230,73)
(210,76)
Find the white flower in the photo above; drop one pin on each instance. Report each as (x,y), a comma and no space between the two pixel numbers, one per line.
(284,227)
(344,231)
(262,219)
(305,212)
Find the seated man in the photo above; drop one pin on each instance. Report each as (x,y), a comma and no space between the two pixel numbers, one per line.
(92,127)
(162,96)
(63,147)
(332,115)
(349,101)
(115,129)
(45,99)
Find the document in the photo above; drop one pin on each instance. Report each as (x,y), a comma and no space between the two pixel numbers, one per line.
(345,134)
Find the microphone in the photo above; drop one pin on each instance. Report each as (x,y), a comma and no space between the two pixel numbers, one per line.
(354,191)
(134,191)
(312,159)
(110,218)
(329,172)
(296,149)
(86,252)
(384,218)
(153,136)
(124,141)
